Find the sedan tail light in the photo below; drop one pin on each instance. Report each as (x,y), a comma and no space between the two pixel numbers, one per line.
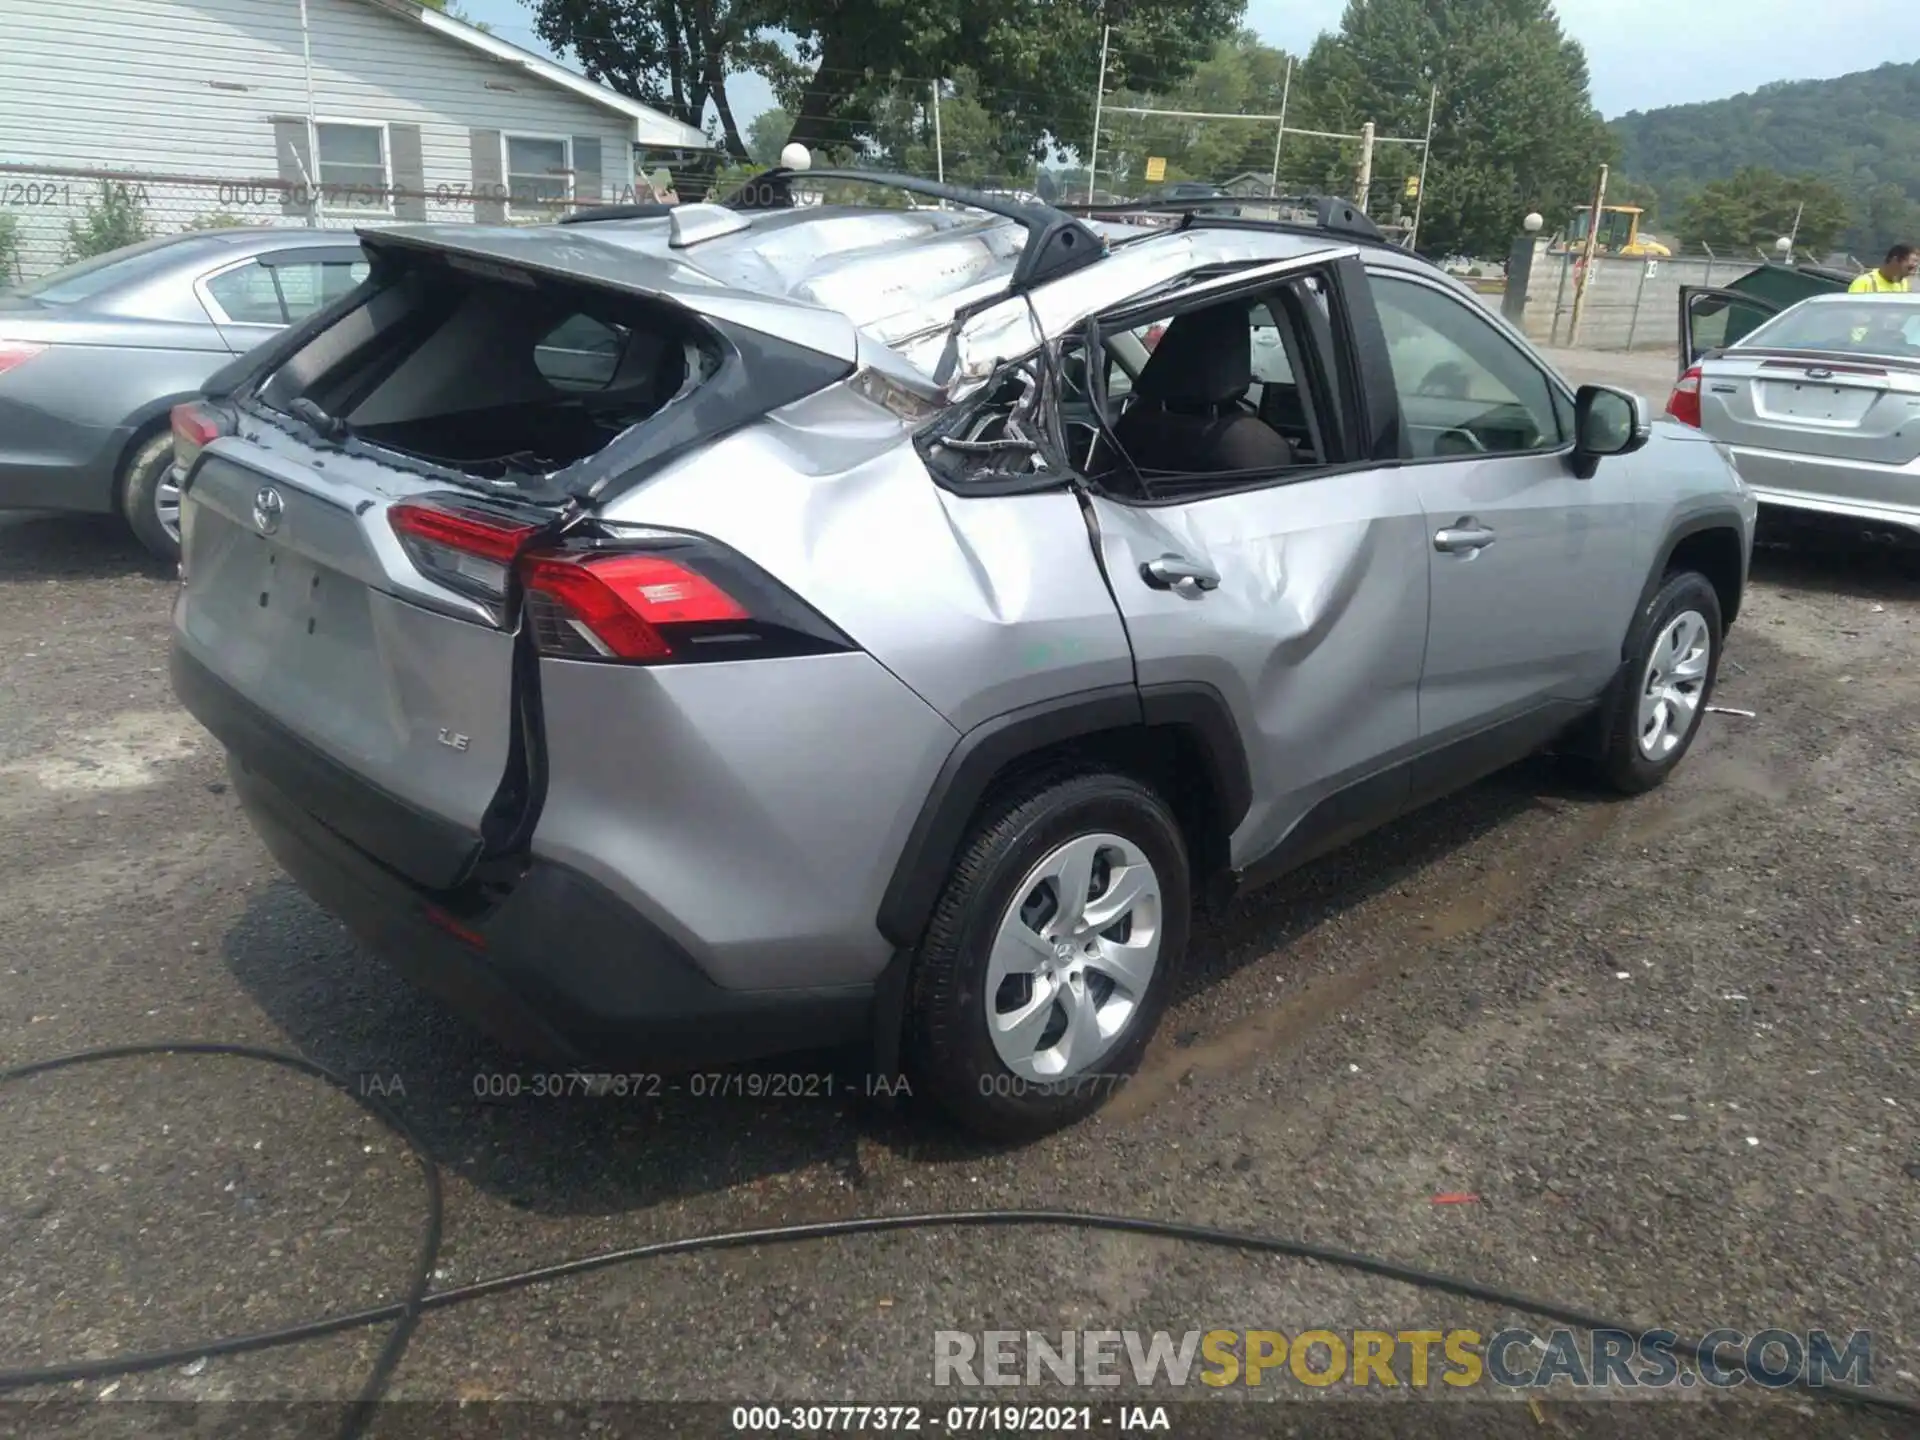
(663,598)
(195,426)
(17,352)
(1684,404)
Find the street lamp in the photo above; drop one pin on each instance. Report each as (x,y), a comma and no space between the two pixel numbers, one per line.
(1534,222)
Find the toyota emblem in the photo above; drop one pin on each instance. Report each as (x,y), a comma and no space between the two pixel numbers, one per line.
(267,510)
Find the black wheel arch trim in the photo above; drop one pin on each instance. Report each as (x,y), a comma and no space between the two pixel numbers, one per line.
(1695,524)
(985,753)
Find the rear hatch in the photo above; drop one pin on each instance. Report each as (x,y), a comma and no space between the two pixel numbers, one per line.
(375,503)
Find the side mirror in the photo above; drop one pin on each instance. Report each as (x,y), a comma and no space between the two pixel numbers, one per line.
(1607,422)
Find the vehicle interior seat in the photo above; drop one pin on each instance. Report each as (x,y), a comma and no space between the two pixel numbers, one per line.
(1186,415)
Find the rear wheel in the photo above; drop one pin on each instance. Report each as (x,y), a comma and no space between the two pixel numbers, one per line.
(1050,956)
(149,498)
(1673,661)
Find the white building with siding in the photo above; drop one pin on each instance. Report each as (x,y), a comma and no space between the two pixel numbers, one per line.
(335,112)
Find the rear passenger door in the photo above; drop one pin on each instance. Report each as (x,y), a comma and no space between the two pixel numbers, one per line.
(1298,595)
(1531,583)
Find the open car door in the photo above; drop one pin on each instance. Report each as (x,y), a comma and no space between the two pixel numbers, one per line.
(1712,319)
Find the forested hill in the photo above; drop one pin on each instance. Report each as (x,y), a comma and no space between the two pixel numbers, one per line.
(1859,132)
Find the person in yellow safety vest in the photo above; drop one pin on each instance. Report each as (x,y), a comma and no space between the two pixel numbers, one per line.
(1894,277)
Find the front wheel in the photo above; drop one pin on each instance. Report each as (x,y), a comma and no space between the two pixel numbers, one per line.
(1673,659)
(150,498)
(1050,956)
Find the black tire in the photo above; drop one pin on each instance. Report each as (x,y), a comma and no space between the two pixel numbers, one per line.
(950,1057)
(1621,764)
(146,466)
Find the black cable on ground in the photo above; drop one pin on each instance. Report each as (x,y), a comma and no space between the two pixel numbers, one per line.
(416,1301)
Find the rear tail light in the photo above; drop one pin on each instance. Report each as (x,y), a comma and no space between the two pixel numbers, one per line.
(195,426)
(1684,404)
(17,352)
(666,598)
(465,547)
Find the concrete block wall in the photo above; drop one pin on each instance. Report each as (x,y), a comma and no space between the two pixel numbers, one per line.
(1632,304)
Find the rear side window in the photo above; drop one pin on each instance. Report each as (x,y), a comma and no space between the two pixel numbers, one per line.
(247,295)
(287,290)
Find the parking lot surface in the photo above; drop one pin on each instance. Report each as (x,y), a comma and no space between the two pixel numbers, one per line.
(1660,1055)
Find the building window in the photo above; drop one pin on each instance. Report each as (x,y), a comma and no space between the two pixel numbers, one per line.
(539,173)
(353,166)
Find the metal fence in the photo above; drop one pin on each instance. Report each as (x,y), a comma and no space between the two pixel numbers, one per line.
(1631,302)
(51,215)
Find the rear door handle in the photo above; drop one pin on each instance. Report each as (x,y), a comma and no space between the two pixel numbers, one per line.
(1175,572)
(1464,536)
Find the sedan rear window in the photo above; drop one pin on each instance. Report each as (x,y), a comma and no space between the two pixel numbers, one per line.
(1869,326)
(93,277)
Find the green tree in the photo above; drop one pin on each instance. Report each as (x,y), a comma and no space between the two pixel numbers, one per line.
(1240,76)
(456,13)
(1515,129)
(974,145)
(9,248)
(117,216)
(1860,133)
(1754,207)
(1036,60)
(767,135)
(675,55)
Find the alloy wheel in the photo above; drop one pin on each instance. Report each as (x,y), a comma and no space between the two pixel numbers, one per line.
(1674,685)
(1073,957)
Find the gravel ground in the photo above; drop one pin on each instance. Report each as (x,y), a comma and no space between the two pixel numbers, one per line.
(1669,1045)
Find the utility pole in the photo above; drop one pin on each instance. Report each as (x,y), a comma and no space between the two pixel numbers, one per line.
(1364,182)
(1426,154)
(939,152)
(1286,89)
(1586,261)
(1099,95)
(309,175)
(1793,236)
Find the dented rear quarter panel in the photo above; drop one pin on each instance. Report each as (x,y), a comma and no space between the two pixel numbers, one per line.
(980,604)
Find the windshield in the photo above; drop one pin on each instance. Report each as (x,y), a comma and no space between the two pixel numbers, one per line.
(1868,326)
(103,272)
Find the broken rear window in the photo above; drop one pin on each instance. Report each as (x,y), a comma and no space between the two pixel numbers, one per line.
(497,376)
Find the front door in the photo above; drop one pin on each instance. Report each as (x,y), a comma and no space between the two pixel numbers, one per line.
(1531,566)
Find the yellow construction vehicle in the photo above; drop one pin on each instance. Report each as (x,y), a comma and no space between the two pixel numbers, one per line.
(1619,232)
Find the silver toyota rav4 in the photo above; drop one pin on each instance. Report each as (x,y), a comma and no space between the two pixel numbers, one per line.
(699,635)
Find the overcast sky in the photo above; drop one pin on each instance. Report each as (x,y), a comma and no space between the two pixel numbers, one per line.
(1643,53)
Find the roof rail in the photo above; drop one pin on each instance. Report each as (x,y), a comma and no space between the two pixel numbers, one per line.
(1331,213)
(1057,243)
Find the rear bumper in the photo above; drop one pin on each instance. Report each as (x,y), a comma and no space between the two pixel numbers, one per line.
(1833,492)
(556,967)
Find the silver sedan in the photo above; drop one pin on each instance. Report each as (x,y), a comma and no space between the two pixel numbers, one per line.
(93,358)
(1820,406)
